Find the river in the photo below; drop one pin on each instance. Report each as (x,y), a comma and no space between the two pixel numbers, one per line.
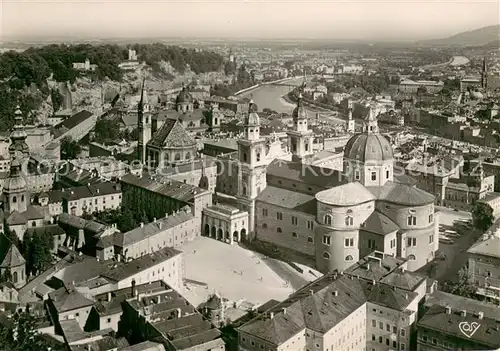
(271,96)
(459,61)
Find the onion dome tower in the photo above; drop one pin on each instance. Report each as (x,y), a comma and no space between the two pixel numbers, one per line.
(18,147)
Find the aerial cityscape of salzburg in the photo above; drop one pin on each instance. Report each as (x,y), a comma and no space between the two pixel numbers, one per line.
(249,175)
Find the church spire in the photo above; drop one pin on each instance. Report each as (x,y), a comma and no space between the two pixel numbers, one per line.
(484,75)
(370,123)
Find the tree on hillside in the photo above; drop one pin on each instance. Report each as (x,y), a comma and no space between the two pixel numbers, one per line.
(57,99)
(482,216)
(106,129)
(69,149)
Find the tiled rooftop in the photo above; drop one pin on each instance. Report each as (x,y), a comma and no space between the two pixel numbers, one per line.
(289,199)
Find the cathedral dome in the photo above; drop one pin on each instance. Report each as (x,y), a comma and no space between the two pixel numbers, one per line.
(15,182)
(299,112)
(367,147)
(184,97)
(252,119)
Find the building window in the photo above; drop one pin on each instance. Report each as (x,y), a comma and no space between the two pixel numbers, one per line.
(349,221)
(412,257)
(310,239)
(431,218)
(349,258)
(371,244)
(403,332)
(374,175)
(264,212)
(402,346)
(278,230)
(412,220)
(393,243)
(349,242)
(294,220)
(279,216)
(381,325)
(309,224)
(431,238)
(328,220)
(357,175)
(326,240)
(326,255)
(411,242)
(14,199)
(388,327)
(258,156)
(244,157)
(264,225)
(294,235)
(374,323)
(387,174)
(380,339)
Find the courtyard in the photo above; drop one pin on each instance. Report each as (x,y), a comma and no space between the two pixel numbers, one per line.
(230,270)
(455,254)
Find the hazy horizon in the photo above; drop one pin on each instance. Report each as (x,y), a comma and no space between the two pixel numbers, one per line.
(403,20)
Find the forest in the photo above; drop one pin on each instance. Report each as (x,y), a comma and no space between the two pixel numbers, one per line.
(32,67)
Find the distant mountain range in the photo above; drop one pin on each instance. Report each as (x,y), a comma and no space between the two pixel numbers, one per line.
(485,36)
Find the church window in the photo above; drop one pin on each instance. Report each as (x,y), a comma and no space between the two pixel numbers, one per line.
(295,235)
(188,155)
(14,278)
(14,199)
(294,220)
(431,218)
(244,157)
(374,175)
(326,255)
(310,239)
(264,212)
(177,156)
(387,173)
(371,244)
(216,121)
(349,221)
(294,147)
(33,224)
(349,242)
(431,238)
(326,240)
(264,225)
(357,176)
(349,258)
(22,197)
(244,190)
(279,216)
(278,230)
(412,220)
(306,146)
(412,257)
(328,220)
(258,156)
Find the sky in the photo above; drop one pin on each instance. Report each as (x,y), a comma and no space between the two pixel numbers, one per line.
(266,19)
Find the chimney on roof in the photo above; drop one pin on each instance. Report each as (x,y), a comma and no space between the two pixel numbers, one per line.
(166,215)
(480,314)
(158,299)
(284,310)
(97,259)
(374,282)
(154,219)
(336,293)
(109,296)
(403,269)
(311,291)
(179,313)
(367,266)
(448,310)
(463,313)
(271,315)
(98,190)
(133,290)
(142,225)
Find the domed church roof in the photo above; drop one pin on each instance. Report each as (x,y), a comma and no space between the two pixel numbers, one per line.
(369,145)
(15,182)
(184,97)
(252,118)
(299,112)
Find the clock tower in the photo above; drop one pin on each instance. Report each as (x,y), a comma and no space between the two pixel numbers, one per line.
(252,168)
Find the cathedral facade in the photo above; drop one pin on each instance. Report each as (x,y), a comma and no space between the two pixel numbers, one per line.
(332,216)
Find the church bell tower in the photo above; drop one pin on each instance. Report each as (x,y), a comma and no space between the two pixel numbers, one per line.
(252,168)
(300,139)
(144,127)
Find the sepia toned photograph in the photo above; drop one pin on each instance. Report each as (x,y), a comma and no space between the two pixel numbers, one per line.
(249,175)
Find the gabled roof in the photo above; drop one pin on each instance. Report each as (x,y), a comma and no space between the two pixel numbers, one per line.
(488,245)
(171,134)
(379,223)
(288,199)
(402,194)
(68,298)
(9,254)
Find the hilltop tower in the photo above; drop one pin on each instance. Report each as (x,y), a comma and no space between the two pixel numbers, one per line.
(300,139)
(252,168)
